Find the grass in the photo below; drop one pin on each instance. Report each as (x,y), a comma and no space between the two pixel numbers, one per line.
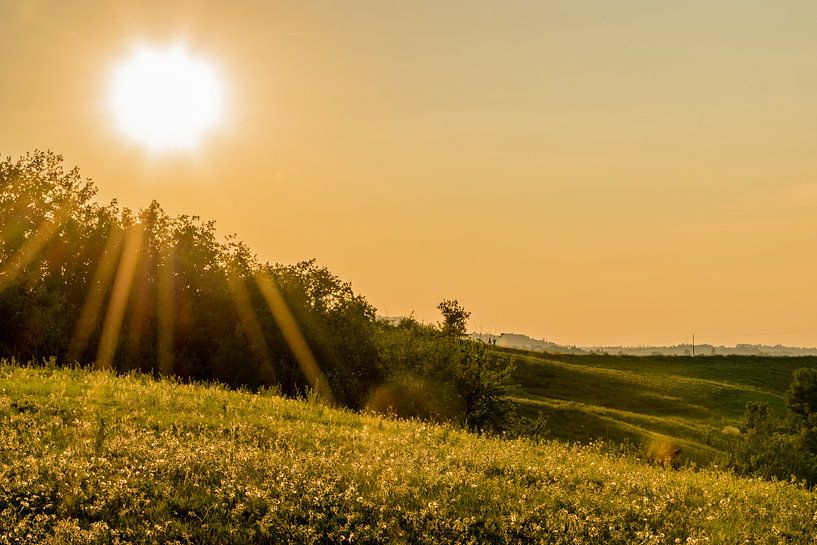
(694,403)
(86,457)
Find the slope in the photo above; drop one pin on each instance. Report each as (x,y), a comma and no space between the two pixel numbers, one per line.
(694,403)
(87,457)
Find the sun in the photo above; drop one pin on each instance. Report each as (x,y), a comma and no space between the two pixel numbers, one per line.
(166,99)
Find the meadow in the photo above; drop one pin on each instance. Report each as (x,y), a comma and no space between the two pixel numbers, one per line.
(89,457)
(695,403)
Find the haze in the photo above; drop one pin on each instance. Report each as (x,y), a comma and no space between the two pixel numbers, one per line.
(593,173)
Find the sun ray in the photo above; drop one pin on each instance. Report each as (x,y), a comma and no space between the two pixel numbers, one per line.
(249,320)
(293,336)
(119,297)
(103,275)
(165,305)
(139,308)
(32,247)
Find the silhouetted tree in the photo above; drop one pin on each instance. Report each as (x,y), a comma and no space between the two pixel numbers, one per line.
(455,317)
(190,303)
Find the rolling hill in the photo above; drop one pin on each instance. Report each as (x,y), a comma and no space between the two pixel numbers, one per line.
(694,403)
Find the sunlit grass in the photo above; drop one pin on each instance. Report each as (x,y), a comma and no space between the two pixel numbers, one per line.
(86,457)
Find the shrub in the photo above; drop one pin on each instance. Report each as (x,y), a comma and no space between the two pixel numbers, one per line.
(801,397)
(479,376)
(771,448)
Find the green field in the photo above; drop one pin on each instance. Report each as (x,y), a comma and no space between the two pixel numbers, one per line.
(694,403)
(86,457)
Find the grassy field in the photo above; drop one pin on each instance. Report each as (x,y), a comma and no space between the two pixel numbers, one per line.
(86,457)
(693,403)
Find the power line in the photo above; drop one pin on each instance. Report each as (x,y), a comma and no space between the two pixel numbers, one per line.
(758,334)
(678,341)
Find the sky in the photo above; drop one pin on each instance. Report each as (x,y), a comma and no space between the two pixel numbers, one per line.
(597,172)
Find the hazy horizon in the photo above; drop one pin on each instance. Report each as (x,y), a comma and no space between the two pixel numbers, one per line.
(594,173)
(687,342)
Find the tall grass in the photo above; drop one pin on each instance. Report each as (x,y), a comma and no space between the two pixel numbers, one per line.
(86,457)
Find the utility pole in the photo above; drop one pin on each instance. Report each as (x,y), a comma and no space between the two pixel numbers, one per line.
(693,344)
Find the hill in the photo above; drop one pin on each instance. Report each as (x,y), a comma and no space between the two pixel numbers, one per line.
(694,403)
(523,342)
(87,457)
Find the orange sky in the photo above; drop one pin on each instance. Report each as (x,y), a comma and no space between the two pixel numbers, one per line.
(594,172)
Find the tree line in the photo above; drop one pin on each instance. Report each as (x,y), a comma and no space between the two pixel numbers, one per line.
(104,285)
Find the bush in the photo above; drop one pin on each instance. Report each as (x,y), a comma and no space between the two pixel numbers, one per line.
(801,397)
(772,448)
(479,376)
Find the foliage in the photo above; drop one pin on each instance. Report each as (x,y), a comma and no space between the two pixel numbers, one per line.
(455,317)
(160,294)
(781,448)
(177,463)
(164,295)
(769,448)
(479,376)
(339,327)
(757,418)
(801,397)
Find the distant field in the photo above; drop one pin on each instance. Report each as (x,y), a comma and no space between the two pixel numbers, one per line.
(91,458)
(690,402)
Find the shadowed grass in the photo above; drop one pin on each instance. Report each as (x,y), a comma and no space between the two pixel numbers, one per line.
(688,401)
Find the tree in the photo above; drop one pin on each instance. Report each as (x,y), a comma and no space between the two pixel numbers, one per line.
(479,376)
(780,448)
(455,317)
(756,417)
(482,376)
(767,448)
(801,397)
(187,303)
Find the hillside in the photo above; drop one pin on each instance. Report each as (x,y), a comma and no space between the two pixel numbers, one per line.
(694,403)
(86,457)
